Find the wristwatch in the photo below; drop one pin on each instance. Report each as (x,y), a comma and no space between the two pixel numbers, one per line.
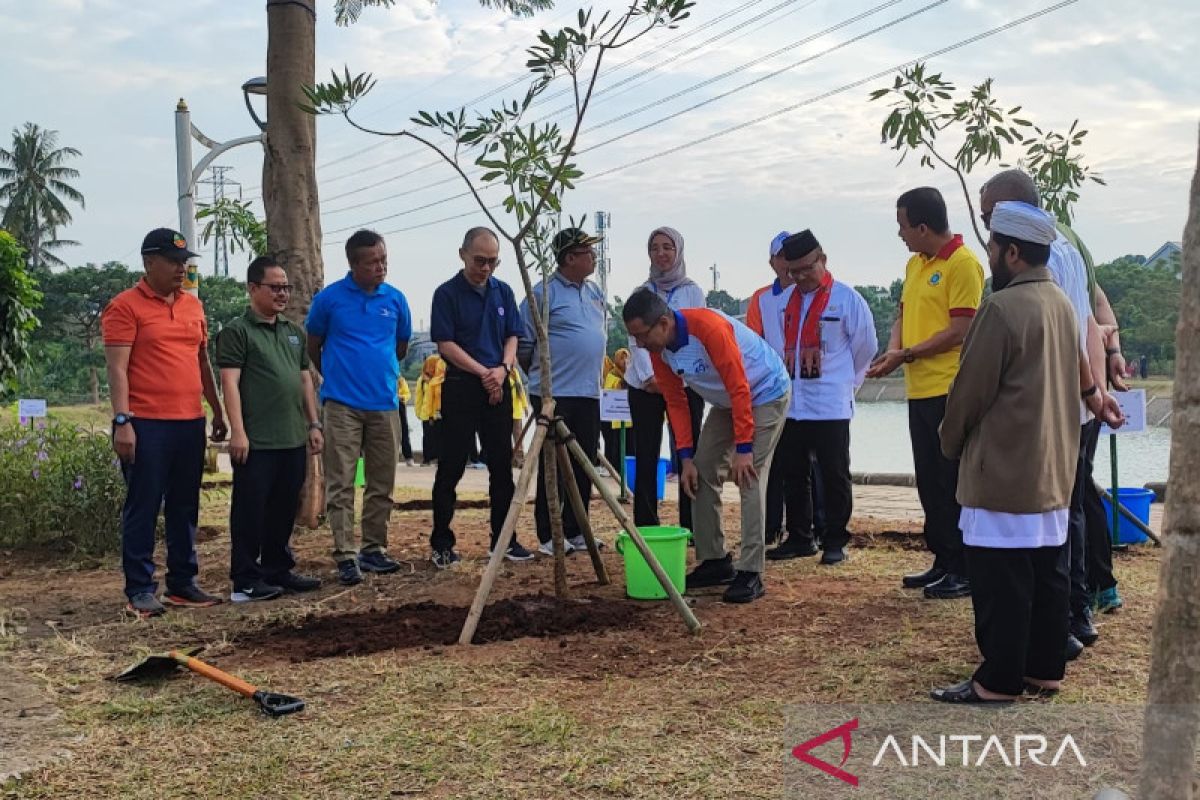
(316,426)
(122,419)
(908,356)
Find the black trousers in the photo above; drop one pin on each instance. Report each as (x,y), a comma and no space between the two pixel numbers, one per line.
(828,442)
(1098,544)
(937,484)
(646,410)
(262,513)
(465,411)
(1077,532)
(430,429)
(1020,598)
(405,440)
(582,415)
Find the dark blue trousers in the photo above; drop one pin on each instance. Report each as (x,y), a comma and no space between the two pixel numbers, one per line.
(167,466)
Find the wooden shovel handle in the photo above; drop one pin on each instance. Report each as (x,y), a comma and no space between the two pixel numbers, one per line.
(212,673)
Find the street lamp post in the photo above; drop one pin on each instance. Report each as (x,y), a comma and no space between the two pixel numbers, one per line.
(186,175)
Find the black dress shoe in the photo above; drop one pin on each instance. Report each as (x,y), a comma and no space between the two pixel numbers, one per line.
(920,580)
(1082,628)
(950,587)
(746,587)
(794,547)
(714,572)
(964,694)
(1074,648)
(833,556)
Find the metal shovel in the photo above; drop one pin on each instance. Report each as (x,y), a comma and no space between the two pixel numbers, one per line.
(162,665)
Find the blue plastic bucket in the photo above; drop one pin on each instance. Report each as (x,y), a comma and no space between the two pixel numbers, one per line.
(1138,502)
(631,471)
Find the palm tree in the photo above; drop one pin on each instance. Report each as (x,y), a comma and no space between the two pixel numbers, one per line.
(34,189)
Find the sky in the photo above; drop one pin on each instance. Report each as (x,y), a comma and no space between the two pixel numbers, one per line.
(107,74)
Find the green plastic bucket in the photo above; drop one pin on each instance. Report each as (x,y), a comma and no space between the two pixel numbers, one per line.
(669,545)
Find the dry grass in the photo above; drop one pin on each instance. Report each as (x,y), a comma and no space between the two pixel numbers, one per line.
(650,714)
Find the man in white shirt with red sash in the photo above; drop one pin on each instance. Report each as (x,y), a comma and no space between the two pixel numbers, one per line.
(828,341)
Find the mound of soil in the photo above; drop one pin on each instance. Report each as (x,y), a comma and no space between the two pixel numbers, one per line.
(433,624)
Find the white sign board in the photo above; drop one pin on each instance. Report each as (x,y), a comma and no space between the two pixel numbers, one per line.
(1133,405)
(31,408)
(614,405)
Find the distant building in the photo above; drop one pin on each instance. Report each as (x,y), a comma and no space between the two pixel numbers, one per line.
(420,347)
(1169,253)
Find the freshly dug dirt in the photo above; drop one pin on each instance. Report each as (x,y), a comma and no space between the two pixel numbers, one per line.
(430,624)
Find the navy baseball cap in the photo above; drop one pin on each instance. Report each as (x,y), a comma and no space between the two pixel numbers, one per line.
(166,242)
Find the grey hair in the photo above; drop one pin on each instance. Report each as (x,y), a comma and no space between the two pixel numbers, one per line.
(477,231)
(1013,184)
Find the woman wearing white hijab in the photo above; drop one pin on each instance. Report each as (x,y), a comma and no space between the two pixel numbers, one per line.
(647,406)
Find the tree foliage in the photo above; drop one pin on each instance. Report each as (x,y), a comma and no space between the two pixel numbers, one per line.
(723,301)
(35,189)
(924,107)
(235,222)
(883,302)
(19,300)
(1146,301)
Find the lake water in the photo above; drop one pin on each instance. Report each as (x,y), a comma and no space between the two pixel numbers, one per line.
(879,443)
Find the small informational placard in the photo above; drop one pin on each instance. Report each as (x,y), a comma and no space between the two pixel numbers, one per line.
(29,409)
(614,405)
(1133,404)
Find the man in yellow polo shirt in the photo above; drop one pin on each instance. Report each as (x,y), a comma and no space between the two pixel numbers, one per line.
(943,286)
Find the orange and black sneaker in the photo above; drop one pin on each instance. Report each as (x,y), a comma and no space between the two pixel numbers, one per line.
(190,597)
(145,604)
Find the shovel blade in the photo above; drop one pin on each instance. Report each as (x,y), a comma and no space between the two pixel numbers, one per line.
(153,667)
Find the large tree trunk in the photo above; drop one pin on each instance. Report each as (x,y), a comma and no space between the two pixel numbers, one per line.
(1173,713)
(289,162)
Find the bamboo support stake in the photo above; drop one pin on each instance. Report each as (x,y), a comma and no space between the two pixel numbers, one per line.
(502,542)
(549,477)
(581,515)
(626,522)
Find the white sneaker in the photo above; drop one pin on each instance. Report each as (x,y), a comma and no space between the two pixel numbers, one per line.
(547,548)
(408,462)
(579,543)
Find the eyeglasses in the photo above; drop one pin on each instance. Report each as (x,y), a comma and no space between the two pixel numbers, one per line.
(276,288)
(481,261)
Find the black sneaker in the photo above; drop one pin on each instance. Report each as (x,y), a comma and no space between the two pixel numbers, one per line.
(258,590)
(145,605)
(516,552)
(348,572)
(714,572)
(190,597)
(796,546)
(833,556)
(746,587)
(291,582)
(378,562)
(445,559)
(1081,627)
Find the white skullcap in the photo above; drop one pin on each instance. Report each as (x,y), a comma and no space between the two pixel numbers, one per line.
(1023,221)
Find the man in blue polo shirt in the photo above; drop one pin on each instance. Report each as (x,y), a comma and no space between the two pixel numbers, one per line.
(358,332)
(475,324)
(577,343)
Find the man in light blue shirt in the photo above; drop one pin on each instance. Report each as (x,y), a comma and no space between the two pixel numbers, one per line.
(577,340)
(358,332)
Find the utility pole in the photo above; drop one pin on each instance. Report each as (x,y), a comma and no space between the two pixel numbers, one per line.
(716,276)
(603,226)
(218,181)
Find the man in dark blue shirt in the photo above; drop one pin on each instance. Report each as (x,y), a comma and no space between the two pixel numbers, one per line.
(358,332)
(475,323)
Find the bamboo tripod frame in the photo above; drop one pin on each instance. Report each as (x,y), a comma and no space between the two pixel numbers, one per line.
(563,446)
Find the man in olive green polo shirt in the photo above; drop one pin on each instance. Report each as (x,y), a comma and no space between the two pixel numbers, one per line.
(272,416)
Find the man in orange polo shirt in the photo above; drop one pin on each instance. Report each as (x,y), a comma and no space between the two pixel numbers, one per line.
(155,340)
(943,285)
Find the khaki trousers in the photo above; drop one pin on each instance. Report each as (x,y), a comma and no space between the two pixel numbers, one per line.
(713,460)
(350,432)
